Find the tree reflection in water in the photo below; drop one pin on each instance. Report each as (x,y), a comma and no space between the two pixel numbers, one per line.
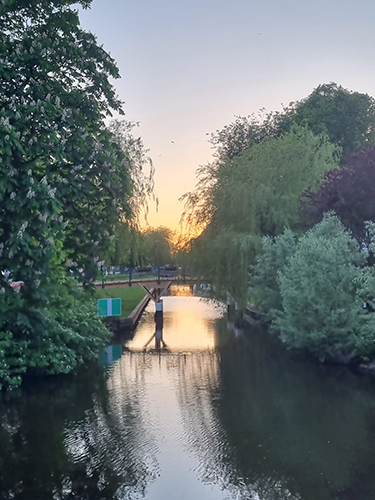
(287,428)
(201,399)
(116,436)
(70,439)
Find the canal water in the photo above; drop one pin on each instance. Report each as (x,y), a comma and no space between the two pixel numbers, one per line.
(214,413)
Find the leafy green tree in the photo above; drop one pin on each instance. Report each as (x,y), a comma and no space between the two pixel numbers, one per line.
(66,180)
(130,247)
(159,243)
(50,339)
(66,183)
(322,289)
(141,168)
(347,117)
(255,194)
(239,135)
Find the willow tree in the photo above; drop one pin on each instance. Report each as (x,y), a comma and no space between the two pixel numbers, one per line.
(129,246)
(159,241)
(254,194)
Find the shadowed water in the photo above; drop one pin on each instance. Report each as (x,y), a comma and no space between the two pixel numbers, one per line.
(215,414)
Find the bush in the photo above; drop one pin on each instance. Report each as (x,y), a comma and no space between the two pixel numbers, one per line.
(322,288)
(264,284)
(48,339)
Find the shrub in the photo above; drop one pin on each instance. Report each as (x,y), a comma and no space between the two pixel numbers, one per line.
(264,284)
(322,289)
(48,339)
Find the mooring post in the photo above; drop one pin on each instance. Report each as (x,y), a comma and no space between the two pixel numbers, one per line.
(229,302)
(158,323)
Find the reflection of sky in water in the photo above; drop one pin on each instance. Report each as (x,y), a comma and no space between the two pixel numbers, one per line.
(188,325)
(160,420)
(178,435)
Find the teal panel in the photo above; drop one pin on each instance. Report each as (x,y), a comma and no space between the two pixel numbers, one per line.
(116,307)
(102,307)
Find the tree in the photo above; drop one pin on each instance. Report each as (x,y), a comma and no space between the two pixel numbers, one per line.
(347,117)
(130,247)
(65,184)
(234,138)
(264,284)
(159,241)
(255,194)
(141,168)
(66,180)
(322,289)
(349,191)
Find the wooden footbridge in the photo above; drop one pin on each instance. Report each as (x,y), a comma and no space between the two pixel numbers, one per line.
(153,287)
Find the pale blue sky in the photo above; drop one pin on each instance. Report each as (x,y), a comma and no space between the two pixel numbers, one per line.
(188,67)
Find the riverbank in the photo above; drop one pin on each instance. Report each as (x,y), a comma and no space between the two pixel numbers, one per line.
(133,300)
(252,316)
(130,297)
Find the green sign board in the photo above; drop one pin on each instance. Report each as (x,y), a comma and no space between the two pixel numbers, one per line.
(109,307)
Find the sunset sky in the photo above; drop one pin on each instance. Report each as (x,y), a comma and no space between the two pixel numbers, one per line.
(189,67)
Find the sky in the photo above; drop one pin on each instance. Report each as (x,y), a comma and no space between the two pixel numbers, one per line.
(188,68)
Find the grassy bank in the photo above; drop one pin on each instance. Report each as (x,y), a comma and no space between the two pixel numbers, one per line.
(130,297)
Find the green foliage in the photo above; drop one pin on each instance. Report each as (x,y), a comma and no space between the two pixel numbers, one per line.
(254,194)
(140,165)
(129,248)
(51,339)
(159,245)
(264,283)
(259,191)
(222,259)
(66,182)
(347,117)
(65,179)
(322,289)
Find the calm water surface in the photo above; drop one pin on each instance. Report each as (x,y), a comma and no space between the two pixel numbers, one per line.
(216,414)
